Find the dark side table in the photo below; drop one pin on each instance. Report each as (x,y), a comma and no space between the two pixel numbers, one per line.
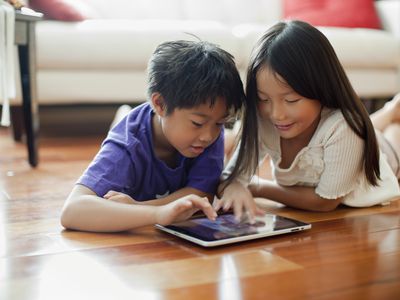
(25,40)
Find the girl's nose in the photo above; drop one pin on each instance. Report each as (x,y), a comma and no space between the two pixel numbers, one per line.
(277,112)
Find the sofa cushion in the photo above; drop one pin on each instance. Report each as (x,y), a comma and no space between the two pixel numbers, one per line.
(118,44)
(364,48)
(233,12)
(63,10)
(136,9)
(355,47)
(337,13)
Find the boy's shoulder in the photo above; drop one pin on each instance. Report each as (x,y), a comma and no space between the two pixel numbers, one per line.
(139,117)
(134,128)
(140,112)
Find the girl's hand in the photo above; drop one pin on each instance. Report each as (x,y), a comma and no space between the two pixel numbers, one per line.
(183,208)
(120,197)
(239,197)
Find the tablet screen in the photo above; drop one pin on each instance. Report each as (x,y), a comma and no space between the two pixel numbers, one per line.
(226,227)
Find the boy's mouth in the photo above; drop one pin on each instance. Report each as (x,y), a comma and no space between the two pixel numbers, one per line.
(197,149)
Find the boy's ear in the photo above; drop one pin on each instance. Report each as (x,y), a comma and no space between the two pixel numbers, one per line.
(157,100)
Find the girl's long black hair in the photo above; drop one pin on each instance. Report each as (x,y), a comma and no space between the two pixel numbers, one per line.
(306,60)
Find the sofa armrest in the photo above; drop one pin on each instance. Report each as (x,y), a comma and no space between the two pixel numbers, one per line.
(389,14)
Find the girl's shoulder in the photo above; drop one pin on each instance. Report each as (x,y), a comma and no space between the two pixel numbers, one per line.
(332,126)
(330,117)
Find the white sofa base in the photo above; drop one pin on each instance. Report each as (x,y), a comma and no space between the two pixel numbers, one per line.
(130,87)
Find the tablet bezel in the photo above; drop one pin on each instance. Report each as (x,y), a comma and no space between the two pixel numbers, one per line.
(300,227)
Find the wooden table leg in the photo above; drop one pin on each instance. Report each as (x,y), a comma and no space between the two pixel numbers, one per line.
(29,104)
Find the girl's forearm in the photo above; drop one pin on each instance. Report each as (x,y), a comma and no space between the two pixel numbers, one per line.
(294,196)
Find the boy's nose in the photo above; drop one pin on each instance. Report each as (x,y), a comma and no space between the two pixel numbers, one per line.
(206,136)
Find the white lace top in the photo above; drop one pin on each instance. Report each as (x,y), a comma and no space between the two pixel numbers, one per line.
(331,162)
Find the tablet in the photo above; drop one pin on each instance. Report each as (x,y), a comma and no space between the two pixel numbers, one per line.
(226,230)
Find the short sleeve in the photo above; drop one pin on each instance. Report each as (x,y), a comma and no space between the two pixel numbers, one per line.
(205,172)
(111,169)
(342,154)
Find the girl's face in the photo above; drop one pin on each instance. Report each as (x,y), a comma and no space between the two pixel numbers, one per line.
(190,131)
(293,115)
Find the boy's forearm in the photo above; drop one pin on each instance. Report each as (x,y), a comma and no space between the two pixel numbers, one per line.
(178,194)
(85,211)
(294,196)
(92,213)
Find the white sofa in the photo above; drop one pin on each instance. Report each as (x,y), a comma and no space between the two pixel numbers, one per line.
(103,60)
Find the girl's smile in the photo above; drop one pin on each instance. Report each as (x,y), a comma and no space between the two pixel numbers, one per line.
(294,116)
(284,127)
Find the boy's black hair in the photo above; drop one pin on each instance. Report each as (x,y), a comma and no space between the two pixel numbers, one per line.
(306,60)
(189,73)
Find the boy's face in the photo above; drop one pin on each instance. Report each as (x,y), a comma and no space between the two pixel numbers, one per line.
(190,131)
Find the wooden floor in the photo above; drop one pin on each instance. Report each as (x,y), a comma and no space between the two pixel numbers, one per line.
(348,254)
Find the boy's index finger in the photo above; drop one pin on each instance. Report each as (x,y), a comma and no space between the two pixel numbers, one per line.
(205,207)
(210,213)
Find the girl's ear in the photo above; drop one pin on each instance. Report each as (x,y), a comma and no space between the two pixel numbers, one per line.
(157,101)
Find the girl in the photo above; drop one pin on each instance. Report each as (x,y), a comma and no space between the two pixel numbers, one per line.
(309,120)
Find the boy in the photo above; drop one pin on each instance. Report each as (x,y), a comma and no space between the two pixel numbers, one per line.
(171,148)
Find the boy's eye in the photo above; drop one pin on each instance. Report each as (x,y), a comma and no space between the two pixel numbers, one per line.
(196,124)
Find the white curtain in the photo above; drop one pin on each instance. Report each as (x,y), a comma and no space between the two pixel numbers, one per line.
(7,77)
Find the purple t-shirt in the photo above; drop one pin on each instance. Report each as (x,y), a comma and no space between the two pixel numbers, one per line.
(126,163)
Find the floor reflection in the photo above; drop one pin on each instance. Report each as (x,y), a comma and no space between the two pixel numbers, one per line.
(78,276)
(229,282)
(3,222)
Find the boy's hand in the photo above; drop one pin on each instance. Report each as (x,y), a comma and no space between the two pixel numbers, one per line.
(120,197)
(240,198)
(183,208)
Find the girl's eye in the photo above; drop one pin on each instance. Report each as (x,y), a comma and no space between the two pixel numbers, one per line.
(196,124)
(292,100)
(263,100)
